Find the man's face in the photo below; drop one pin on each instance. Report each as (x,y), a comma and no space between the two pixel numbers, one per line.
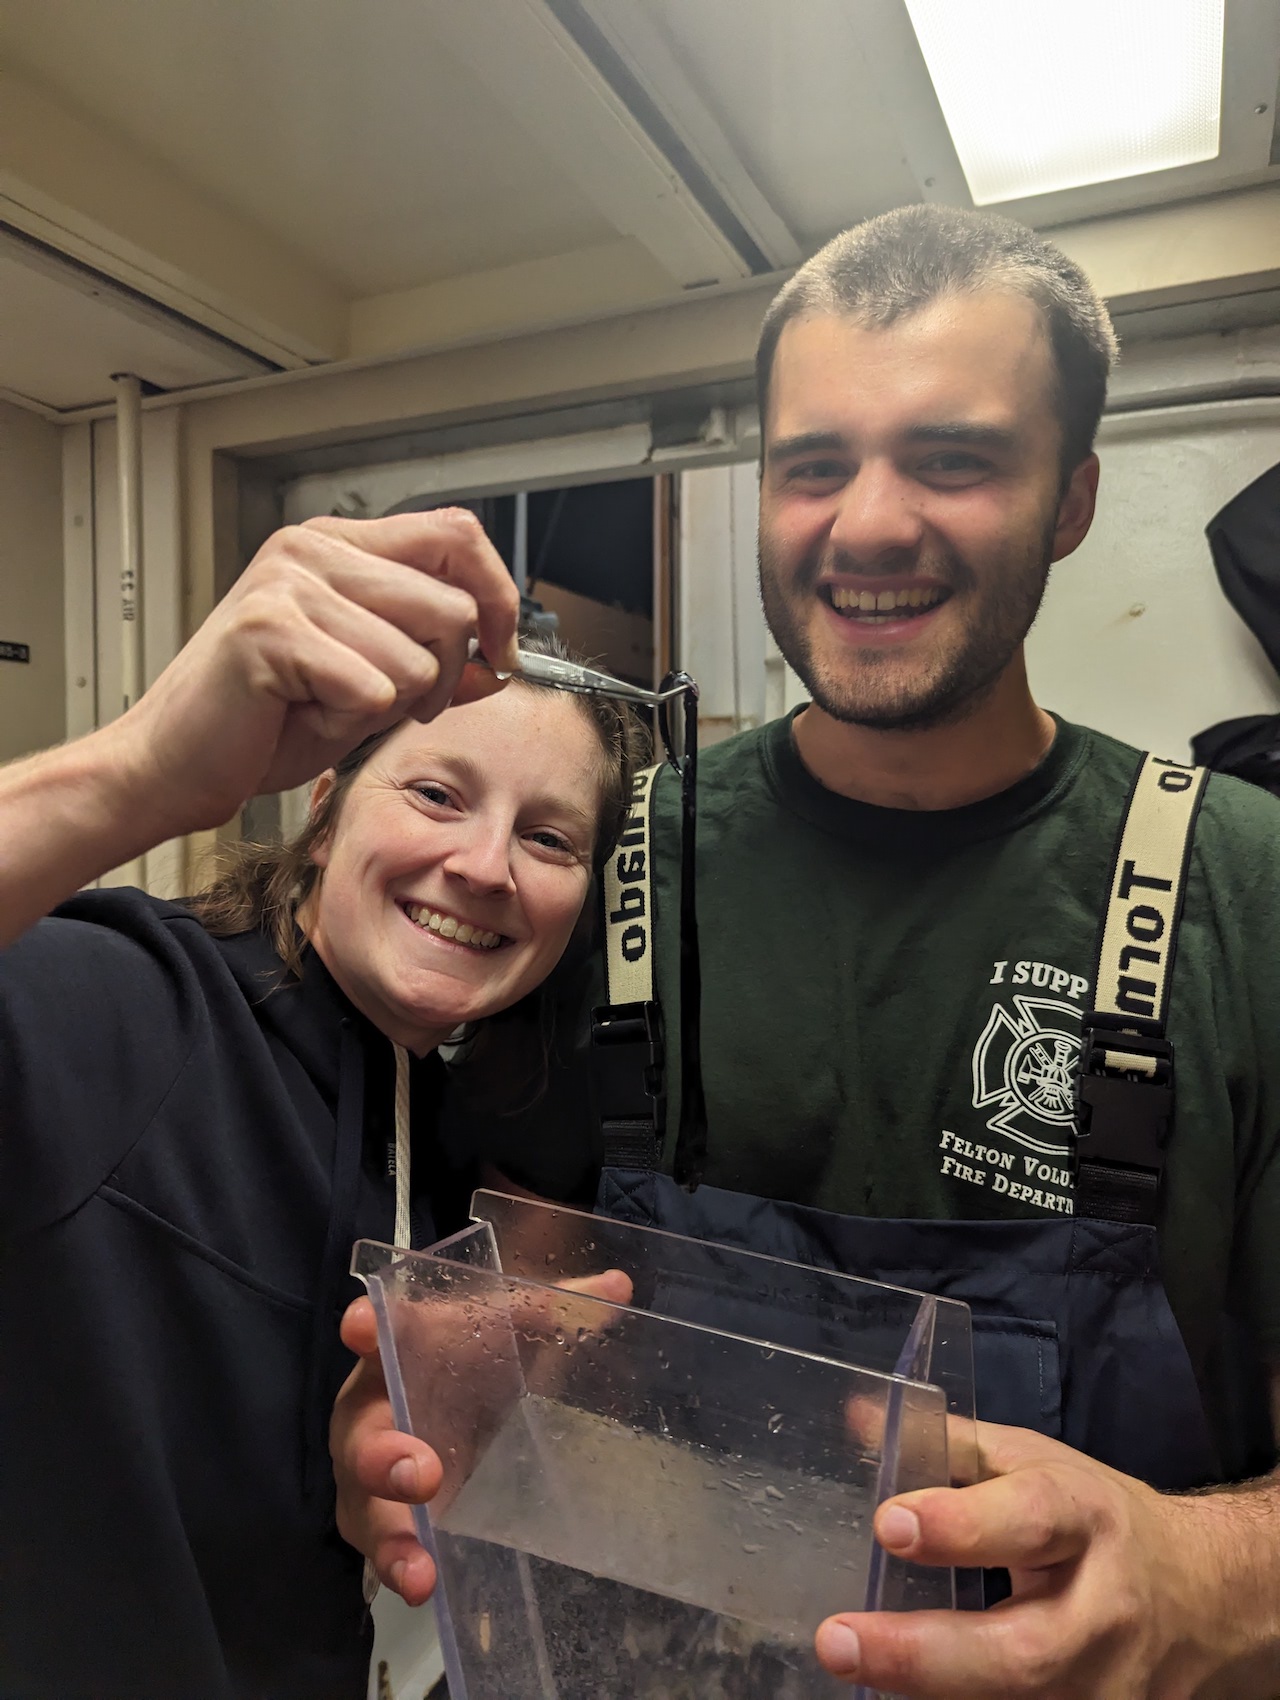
(909,505)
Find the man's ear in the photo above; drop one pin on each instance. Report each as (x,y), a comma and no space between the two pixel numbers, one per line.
(1075,509)
(319,792)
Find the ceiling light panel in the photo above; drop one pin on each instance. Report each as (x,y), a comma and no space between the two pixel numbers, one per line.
(1041,95)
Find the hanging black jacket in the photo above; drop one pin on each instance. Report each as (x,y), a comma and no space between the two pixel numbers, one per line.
(188,1148)
(1244,538)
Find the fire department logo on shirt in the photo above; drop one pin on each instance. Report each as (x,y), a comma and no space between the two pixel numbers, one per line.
(1024,1070)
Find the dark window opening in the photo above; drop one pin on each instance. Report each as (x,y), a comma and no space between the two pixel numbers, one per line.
(589,562)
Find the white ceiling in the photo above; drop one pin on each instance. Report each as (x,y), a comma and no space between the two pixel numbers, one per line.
(346,129)
(790,87)
(400,172)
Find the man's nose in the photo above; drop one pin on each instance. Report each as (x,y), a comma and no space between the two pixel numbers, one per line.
(482,857)
(876,518)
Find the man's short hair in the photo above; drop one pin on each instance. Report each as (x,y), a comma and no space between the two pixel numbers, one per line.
(903,260)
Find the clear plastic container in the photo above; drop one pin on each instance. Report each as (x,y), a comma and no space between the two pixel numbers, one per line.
(662,1499)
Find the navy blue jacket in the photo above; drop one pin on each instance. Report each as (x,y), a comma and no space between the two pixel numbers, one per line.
(188,1148)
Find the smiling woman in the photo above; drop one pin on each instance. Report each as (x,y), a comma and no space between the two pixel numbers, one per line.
(448,886)
(205,1103)
(490,859)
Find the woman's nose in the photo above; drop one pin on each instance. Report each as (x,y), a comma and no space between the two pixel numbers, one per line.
(875,519)
(482,857)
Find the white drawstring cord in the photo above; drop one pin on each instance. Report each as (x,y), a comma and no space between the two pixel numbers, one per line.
(403,1157)
(401,1232)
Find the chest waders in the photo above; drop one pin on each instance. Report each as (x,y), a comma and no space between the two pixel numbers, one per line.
(1073,1332)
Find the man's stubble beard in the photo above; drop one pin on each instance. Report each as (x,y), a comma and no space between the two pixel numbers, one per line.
(1000,617)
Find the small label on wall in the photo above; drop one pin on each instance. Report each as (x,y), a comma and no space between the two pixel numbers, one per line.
(15,651)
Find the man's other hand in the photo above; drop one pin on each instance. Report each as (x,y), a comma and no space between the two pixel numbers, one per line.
(1119,1592)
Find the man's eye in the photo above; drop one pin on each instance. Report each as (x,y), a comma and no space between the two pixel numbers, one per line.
(816,472)
(955,464)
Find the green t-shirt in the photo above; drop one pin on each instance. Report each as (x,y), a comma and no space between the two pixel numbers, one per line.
(891,1002)
(891,1007)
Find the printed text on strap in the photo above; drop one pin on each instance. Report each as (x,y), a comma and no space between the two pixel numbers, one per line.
(626,1032)
(1125,1084)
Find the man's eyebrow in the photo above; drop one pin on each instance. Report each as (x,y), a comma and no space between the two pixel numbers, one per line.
(804,443)
(970,432)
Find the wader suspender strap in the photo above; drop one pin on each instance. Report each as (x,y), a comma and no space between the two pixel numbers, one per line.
(1124,1089)
(626,1033)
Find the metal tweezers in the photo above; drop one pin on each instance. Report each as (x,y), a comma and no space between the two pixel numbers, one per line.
(587,681)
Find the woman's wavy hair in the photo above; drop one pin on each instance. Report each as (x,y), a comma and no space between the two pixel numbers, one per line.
(262,886)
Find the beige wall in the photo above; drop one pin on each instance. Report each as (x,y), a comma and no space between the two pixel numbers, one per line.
(695,342)
(1219,246)
(32,697)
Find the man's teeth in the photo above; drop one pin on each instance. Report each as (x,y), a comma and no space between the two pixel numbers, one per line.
(882,601)
(450,927)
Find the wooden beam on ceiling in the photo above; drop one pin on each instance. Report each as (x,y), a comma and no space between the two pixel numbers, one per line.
(1199,250)
(88,193)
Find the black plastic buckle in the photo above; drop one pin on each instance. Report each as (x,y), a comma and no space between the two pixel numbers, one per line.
(626,1059)
(1123,1119)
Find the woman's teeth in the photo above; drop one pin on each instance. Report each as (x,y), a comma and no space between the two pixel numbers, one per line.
(450,927)
(882,602)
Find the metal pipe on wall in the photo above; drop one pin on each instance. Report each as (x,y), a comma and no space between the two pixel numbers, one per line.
(133,679)
(129,482)
(520,543)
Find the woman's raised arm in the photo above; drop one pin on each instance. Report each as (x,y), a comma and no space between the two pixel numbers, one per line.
(336,629)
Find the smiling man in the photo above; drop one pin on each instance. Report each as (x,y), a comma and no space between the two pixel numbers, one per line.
(917,484)
(930,386)
(900,894)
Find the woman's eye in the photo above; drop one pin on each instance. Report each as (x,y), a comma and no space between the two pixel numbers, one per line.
(432,793)
(553,841)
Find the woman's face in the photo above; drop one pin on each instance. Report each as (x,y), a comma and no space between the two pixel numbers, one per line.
(459,863)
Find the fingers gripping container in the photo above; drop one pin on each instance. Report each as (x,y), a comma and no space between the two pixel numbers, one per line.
(660,1499)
